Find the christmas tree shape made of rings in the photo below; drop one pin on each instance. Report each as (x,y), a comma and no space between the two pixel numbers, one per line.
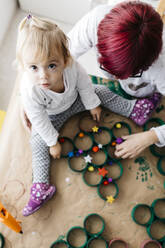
(92,154)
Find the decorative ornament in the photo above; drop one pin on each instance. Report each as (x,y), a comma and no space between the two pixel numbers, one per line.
(95,149)
(113,143)
(110,199)
(88,159)
(95,129)
(110,162)
(118,125)
(119,140)
(106,182)
(102,171)
(61,140)
(70,154)
(110,179)
(100,146)
(81,135)
(91,168)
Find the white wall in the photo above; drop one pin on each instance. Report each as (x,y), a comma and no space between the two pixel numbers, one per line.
(68,11)
(154,3)
(7,10)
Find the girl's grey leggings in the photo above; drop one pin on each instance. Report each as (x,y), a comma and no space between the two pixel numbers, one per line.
(40,150)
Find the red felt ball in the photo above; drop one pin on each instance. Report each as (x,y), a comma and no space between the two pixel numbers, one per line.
(95,149)
(105,183)
(61,140)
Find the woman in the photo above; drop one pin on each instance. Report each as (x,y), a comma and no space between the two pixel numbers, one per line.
(128,40)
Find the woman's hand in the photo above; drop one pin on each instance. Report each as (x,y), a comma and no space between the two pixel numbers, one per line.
(55,150)
(135,143)
(96,113)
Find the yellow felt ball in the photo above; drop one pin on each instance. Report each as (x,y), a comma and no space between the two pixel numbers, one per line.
(118,125)
(91,168)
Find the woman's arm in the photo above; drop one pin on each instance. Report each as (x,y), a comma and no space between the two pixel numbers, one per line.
(160,133)
(83,35)
(135,144)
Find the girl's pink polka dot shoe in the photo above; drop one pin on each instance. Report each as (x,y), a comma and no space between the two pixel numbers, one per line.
(40,194)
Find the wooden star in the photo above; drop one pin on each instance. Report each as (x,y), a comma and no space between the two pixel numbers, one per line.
(100,146)
(95,129)
(102,171)
(110,199)
(88,159)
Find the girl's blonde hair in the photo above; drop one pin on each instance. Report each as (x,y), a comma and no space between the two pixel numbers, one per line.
(43,39)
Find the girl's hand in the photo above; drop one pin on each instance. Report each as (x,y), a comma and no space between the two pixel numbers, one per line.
(26,122)
(55,150)
(96,113)
(135,143)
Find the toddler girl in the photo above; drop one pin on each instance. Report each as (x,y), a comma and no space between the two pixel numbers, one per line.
(53,88)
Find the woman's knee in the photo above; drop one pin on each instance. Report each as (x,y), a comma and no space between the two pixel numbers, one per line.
(103,92)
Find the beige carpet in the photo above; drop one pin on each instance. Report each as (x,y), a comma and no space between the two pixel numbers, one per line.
(74,199)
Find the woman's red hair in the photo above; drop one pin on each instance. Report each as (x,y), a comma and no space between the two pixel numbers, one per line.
(129,38)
